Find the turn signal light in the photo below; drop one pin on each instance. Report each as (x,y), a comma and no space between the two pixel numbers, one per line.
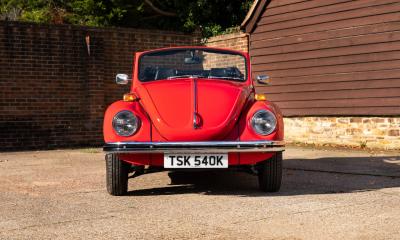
(130,97)
(260,97)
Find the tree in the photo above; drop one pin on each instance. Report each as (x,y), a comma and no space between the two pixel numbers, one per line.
(211,17)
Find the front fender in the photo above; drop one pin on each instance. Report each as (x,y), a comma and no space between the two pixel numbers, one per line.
(246,132)
(143,134)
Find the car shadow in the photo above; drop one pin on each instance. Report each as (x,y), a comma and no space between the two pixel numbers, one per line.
(300,177)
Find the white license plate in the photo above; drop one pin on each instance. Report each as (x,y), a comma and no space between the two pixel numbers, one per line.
(196,160)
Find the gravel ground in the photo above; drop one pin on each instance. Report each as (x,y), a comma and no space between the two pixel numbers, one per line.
(326,194)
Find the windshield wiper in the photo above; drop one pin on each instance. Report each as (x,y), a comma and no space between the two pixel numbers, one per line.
(233,78)
(186,76)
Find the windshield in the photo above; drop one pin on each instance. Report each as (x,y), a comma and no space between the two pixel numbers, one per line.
(186,63)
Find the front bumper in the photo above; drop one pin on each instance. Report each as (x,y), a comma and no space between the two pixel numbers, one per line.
(195,147)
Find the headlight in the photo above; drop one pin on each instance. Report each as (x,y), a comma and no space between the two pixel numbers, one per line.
(263,122)
(125,123)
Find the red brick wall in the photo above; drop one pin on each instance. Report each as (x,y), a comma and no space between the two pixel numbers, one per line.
(52,93)
(236,41)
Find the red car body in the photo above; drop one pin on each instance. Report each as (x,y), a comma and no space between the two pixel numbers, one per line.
(193,115)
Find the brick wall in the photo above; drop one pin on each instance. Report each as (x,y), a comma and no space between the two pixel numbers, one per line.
(358,132)
(52,92)
(236,41)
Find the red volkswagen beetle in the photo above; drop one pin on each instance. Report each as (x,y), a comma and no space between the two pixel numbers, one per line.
(192,108)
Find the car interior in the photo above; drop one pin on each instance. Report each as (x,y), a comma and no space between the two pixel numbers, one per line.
(151,73)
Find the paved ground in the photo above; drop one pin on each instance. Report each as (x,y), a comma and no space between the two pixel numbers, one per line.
(325,195)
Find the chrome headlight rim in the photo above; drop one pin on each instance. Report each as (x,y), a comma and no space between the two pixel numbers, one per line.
(133,117)
(257,130)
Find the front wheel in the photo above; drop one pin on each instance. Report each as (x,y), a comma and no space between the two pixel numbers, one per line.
(270,174)
(116,175)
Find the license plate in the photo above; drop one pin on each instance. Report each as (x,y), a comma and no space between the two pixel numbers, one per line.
(195,160)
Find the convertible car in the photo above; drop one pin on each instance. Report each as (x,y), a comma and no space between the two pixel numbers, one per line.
(192,108)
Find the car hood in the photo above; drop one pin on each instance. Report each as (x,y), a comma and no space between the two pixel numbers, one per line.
(173,105)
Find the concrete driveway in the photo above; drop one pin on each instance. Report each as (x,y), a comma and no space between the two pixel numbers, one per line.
(325,195)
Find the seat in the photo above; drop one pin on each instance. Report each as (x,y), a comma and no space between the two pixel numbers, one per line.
(218,72)
(164,73)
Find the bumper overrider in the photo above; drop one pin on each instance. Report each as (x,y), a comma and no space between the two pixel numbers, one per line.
(195,147)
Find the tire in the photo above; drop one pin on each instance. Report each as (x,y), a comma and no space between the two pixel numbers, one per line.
(116,175)
(270,174)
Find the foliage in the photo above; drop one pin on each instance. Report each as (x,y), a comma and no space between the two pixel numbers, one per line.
(211,17)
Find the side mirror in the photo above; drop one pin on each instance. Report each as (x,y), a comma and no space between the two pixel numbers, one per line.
(122,79)
(263,79)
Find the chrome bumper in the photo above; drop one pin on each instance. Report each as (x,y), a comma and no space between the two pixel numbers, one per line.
(195,147)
